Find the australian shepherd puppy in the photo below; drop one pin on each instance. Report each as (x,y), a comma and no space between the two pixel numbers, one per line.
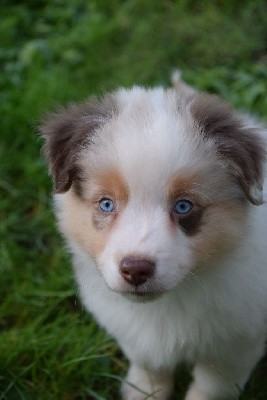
(159,195)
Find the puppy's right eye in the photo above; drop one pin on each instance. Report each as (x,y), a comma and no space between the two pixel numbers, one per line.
(106,205)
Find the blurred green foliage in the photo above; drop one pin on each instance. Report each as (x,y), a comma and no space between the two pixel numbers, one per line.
(56,51)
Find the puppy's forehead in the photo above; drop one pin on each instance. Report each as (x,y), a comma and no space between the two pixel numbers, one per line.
(149,139)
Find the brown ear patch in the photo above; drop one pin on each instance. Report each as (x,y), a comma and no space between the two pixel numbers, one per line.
(237,144)
(67,131)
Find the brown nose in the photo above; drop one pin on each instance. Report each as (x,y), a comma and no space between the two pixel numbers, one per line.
(136,270)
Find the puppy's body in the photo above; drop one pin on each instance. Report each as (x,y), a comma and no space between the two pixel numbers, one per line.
(147,157)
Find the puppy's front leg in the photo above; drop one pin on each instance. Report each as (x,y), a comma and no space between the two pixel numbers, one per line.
(210,383)
(142,383)
(224,380)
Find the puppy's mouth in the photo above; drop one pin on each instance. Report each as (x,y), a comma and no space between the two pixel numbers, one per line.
(139,295)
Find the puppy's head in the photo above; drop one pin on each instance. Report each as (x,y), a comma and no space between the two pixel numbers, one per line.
(152,186)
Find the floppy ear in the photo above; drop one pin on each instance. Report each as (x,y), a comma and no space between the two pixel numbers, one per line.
(66,132)
(239,145)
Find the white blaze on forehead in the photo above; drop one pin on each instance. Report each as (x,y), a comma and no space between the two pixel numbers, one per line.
(151,132)
(152,137)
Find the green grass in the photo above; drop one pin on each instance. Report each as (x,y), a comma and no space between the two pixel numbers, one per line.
(60,51)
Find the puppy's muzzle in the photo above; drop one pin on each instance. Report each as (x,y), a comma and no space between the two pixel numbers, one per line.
(136,270)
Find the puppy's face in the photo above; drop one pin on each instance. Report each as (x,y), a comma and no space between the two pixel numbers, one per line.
(151,186)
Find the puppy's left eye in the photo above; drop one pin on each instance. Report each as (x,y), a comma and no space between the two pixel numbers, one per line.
(106,205)
(182,207)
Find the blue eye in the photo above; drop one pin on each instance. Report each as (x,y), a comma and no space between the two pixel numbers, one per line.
(183,206)
(106,205)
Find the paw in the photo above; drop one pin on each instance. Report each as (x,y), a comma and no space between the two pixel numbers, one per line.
(194,394)
(141,384)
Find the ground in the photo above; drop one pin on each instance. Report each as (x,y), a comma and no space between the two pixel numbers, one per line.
(60,51)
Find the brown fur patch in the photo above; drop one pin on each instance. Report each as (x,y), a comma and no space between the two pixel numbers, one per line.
(76,222)
(191,222)
(81,218)
(240,146)
(184,186)
(108,184)
(66,132)
(222,225)
(111,183)
(181,184)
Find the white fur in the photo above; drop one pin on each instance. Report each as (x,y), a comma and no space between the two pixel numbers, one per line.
(220,315)
(216,318)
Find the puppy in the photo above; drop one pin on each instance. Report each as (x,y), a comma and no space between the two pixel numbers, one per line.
(159,195)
